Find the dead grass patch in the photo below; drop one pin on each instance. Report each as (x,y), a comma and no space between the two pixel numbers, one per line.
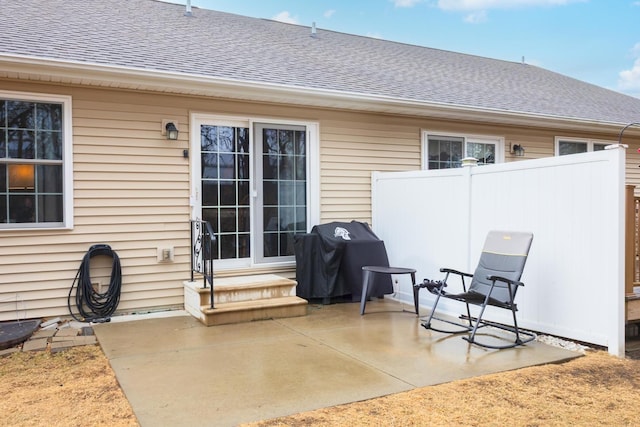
(597,389)
(78,388)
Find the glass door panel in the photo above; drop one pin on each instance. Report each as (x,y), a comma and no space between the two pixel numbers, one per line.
(282,184)
(225,188)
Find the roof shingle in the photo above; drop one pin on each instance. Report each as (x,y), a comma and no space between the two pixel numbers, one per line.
(157,36)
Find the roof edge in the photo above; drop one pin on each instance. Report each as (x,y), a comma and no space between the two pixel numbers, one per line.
(120,77)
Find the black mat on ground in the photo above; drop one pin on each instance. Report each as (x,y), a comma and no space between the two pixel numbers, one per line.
(17,332)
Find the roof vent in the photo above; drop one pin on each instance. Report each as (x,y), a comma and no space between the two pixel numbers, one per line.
(313,30)
(188,9)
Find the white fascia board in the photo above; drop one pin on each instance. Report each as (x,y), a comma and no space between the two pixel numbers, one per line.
(117,77)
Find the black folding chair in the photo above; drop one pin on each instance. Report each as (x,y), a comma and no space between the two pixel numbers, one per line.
(494,283)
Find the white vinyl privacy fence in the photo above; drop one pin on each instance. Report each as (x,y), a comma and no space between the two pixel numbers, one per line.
(574,205)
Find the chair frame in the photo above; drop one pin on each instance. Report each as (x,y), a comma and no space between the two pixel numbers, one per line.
(479,299)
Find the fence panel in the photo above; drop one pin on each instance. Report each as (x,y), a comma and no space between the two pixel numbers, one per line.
(574,205)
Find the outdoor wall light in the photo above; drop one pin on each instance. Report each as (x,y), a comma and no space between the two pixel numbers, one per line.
(625,128)
(517,150)
(171,131)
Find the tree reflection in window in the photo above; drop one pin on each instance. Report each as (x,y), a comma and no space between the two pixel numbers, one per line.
(283,188)
(225,188)
(31,167)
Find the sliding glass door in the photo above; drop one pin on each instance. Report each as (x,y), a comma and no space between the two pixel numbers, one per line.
(253,187)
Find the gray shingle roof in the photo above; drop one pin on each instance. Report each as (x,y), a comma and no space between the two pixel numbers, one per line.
(157,36)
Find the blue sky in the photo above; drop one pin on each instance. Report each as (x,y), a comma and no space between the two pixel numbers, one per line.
(597,41)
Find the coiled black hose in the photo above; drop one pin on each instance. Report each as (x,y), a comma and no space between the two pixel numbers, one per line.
(91,305)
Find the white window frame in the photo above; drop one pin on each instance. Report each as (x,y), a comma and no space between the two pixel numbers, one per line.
(484,139)
(590,143)
(313,178)
(67,159)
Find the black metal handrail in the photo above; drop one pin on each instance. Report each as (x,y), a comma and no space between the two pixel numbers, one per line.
(202,250)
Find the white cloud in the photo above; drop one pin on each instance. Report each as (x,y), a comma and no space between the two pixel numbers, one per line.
(329,13)
(285,17)
(476,17)
(478,8)
(405,3)
(472,5)
(629,80)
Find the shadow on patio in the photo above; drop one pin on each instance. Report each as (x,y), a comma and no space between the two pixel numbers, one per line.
(175,371)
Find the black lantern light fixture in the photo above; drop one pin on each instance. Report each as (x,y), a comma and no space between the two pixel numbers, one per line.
(517,150)
(171,131)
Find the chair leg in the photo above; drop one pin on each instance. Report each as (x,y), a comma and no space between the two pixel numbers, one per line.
(366,277)
(478,321)
(427,324)
(515,326)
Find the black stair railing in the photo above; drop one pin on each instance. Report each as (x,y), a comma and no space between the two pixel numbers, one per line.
(202,251)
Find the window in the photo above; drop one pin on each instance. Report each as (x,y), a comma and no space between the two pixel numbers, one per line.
(34,148)
(566,146)
(447,151)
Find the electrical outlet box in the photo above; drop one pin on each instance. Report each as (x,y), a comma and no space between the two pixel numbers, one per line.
(165,254)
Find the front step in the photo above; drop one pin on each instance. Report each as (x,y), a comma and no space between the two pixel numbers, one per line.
(244,299)
(248,311)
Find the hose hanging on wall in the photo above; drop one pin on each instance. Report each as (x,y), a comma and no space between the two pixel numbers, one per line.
(92,305)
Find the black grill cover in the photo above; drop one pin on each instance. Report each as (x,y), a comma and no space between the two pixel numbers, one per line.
(329,261)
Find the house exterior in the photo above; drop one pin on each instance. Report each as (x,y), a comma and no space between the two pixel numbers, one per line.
(280,127)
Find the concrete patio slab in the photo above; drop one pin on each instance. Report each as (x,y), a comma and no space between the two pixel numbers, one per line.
(175,371)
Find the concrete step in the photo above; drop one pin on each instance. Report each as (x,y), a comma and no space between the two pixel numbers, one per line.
(244,299)
(245,288)
(248,311)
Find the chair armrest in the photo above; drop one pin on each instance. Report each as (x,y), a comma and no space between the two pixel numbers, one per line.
(450,270)
(494,278)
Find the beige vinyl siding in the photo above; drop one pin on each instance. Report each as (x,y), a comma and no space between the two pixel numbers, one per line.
(131,187)
(131,191)
(536,144)
(351,149)
(124,166)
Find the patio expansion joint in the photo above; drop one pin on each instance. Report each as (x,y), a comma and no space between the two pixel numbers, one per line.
(351,356)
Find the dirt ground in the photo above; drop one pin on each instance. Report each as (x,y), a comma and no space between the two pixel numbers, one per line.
(78,388)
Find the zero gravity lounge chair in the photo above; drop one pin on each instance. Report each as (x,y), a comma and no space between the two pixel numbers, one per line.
(494,283)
